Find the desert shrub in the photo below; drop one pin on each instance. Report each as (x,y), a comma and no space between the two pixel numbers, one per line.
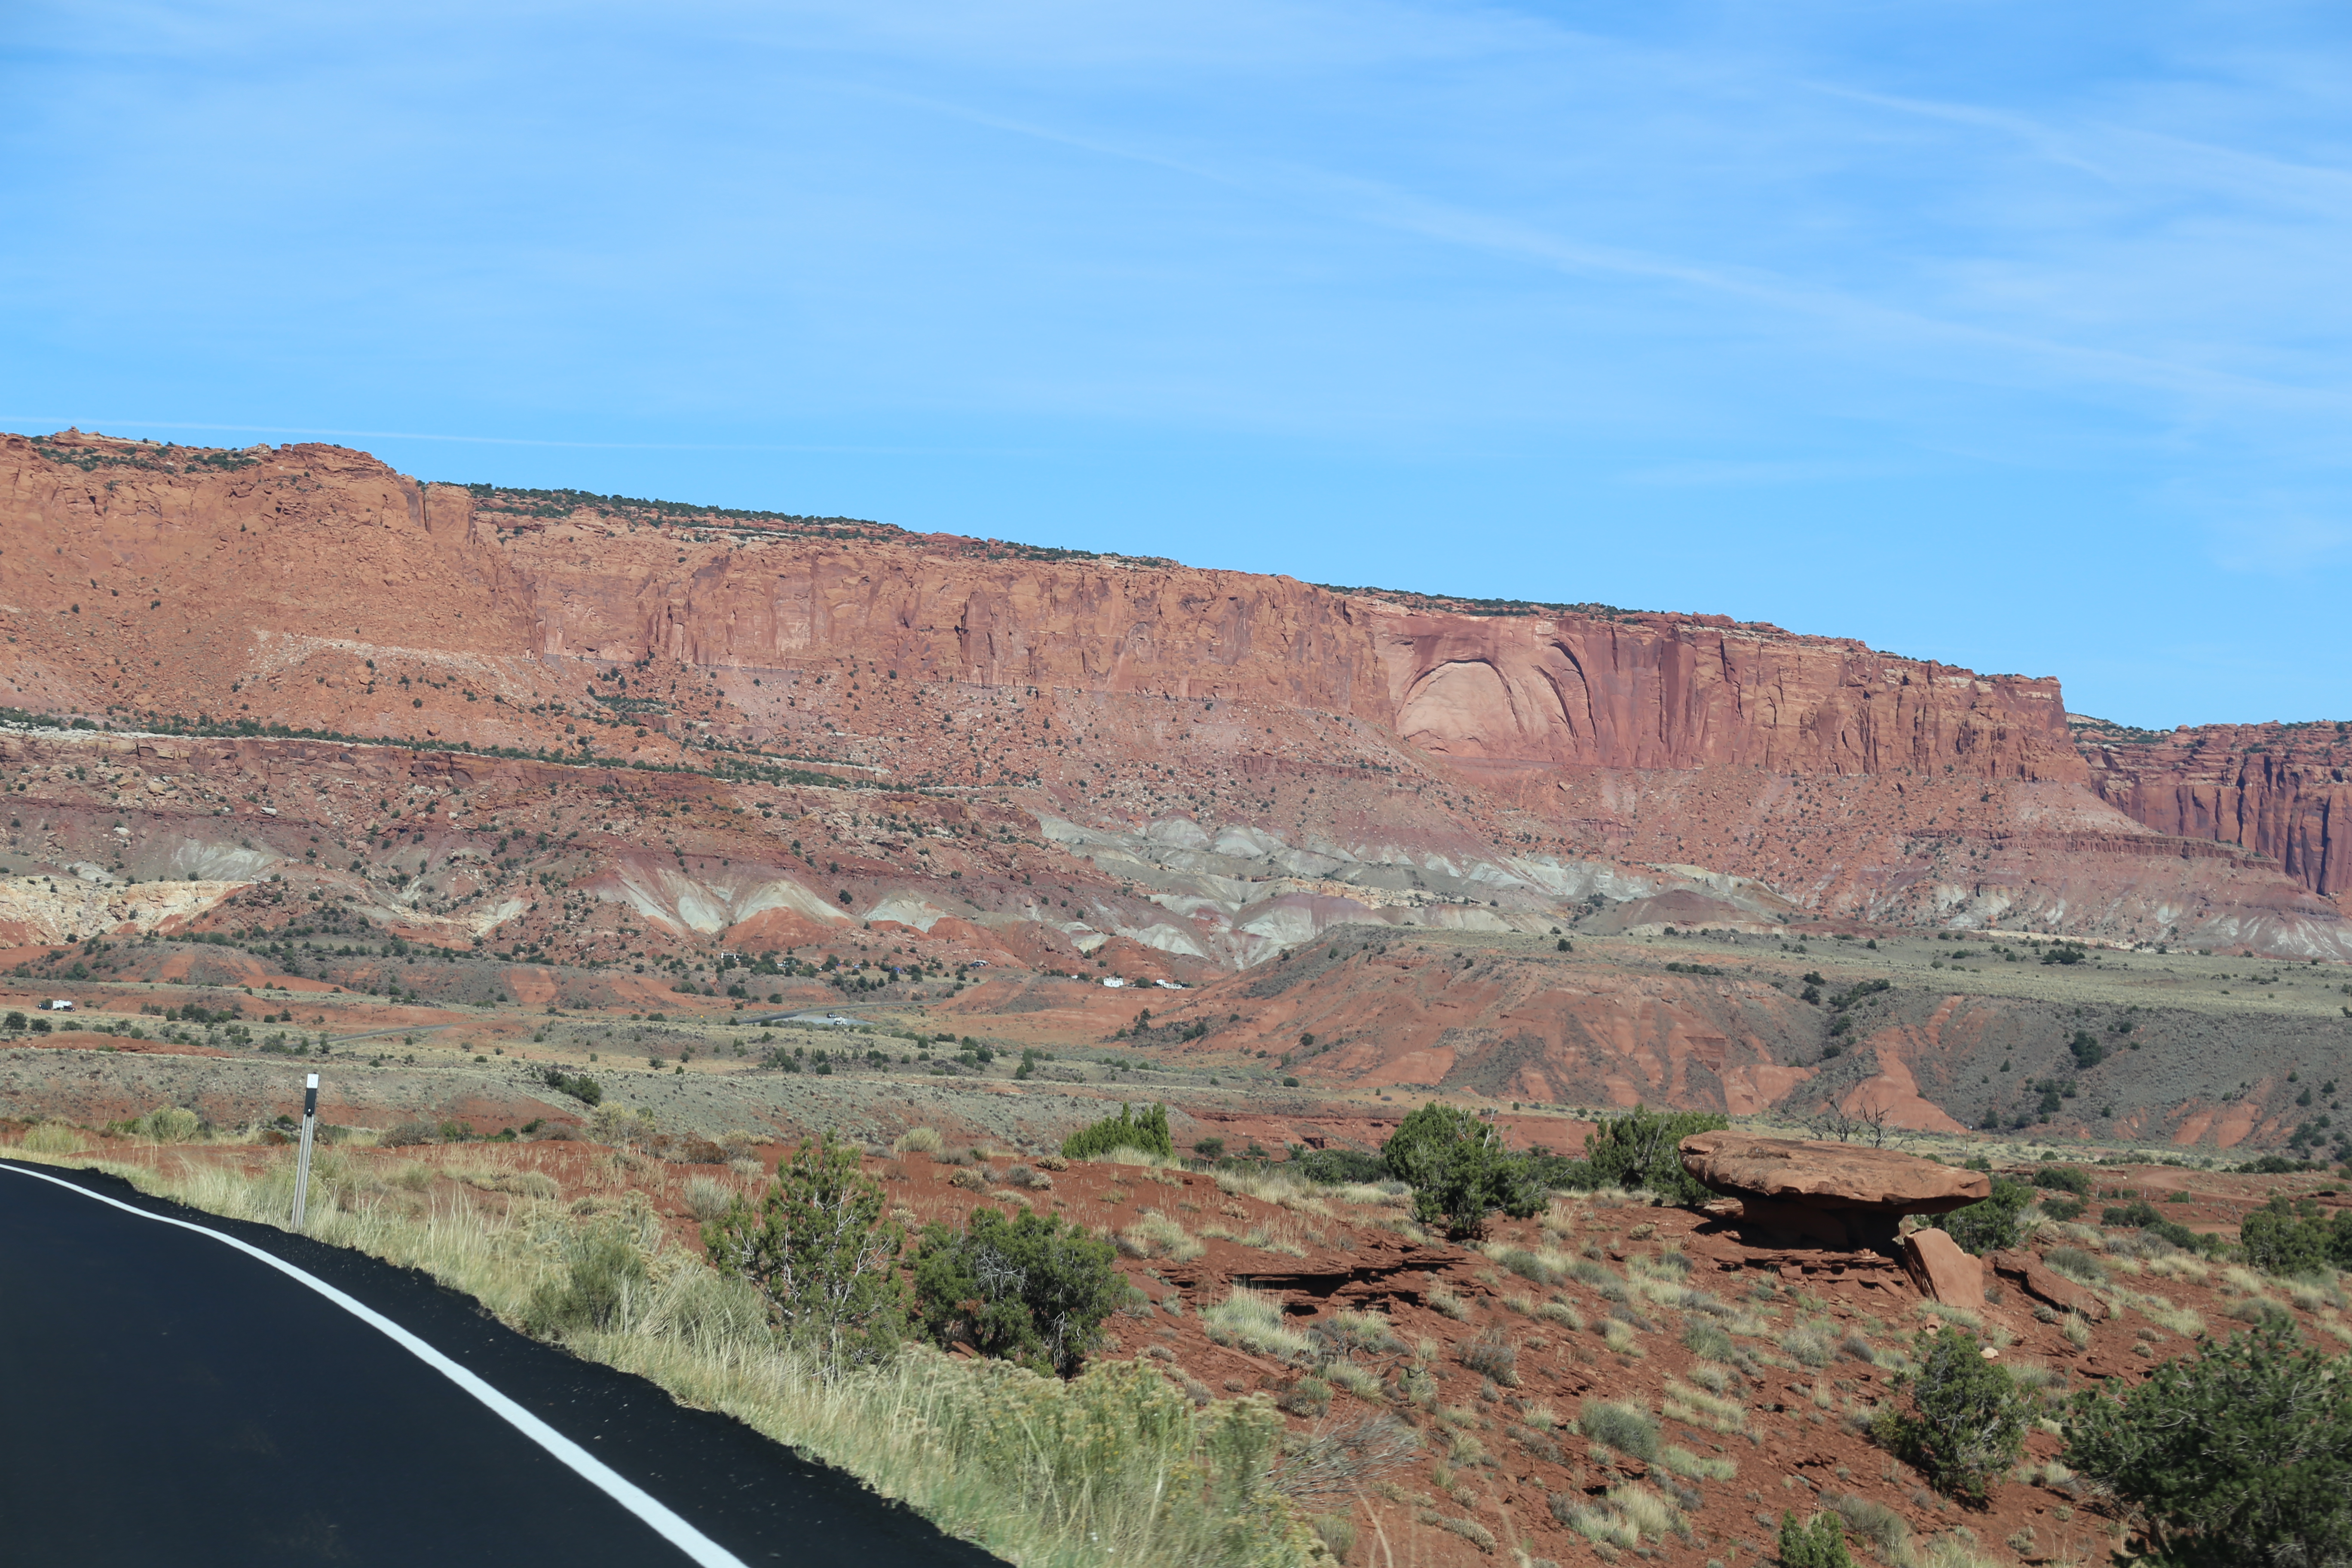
(1991,1225)
(1621,1427)
(1492,1355)
(817,1248)
(2065,1211)
(918,1140)
(1338,1167)
(1028,1177)
(1641,1149)
(579,1086)
(1820,1544)
(601,1272)
(1459,1171)
(2241,1455)
(2077,1265)
(1029,1289)
(2287,1238)
(2064,1179)
(1339,1460)
(1965,1421)
(1147,1131)
(2144,1217)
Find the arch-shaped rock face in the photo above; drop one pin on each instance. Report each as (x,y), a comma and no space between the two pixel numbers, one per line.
(1465,707)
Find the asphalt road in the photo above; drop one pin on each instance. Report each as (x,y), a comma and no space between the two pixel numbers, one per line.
(168,1398)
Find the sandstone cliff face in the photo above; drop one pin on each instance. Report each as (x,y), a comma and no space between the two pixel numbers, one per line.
(311,548)
(2278,790)
(1472,767)
(1650,691)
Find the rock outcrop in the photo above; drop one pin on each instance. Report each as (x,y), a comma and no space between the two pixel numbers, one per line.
(2277,789)
(2046,1284)
(1942,1270)
(1840,1194)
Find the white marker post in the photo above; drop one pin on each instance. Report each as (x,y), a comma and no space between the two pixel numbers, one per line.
(303,1160)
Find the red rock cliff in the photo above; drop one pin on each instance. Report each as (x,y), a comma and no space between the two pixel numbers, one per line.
(199,564)
(2277,789)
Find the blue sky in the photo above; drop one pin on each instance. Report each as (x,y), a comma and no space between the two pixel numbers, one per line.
(2012,335)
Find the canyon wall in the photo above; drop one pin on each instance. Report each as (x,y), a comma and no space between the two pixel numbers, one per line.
(208,569)
(2277,789)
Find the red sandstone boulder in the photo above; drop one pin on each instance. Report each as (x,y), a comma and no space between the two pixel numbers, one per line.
(2045,1283)
(1837,1194)
(1942,1271)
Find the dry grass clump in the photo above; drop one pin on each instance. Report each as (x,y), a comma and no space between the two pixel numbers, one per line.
(52,1138)
(1631,1513)
(1494,1356)
(1440,1299)
(1254,1321)
(918,1141)
(1271,1184)
(1155,1234)
(707,1199)
(1561,1313)
(1697,1407)
(1542,1266)
(1697,1466)
(1273,1237)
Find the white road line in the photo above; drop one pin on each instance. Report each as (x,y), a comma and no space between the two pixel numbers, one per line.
(697,1546)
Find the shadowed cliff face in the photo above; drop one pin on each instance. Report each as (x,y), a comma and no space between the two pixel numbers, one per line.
(1322,757)
(2278,790)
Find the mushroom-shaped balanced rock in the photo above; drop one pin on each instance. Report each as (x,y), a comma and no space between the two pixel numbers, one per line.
(1837,1194)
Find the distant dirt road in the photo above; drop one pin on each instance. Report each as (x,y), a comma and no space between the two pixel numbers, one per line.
(173,1398)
